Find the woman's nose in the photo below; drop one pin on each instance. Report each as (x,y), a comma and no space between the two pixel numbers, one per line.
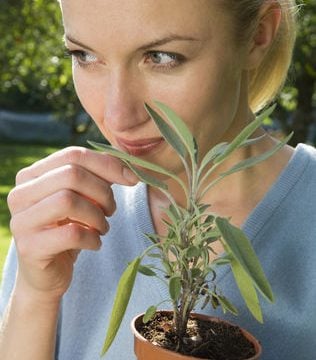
(124,102)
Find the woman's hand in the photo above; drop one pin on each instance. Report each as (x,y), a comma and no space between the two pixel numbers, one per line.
(58,208)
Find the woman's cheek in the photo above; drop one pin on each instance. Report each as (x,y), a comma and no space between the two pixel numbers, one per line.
(90,96)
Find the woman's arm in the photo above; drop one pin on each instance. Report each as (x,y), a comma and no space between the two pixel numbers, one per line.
(58,208)
(28,329)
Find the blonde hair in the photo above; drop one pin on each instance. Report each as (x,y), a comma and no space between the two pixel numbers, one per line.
(266,81)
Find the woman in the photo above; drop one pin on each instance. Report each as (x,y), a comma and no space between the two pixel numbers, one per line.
(215,63)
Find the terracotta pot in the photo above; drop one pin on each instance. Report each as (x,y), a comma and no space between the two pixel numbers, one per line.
(145,350)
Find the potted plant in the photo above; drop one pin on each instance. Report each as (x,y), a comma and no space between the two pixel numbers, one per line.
(183,254)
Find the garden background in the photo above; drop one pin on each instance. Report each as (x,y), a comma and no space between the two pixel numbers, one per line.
(39,112)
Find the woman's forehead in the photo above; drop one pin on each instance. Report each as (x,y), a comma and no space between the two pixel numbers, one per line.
(143,21)
(141,14)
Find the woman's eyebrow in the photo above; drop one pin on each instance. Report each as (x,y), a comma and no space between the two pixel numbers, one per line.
(154,43)
(165,40)
(77,42)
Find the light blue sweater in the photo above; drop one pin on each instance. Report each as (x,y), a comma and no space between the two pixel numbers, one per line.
(282,229)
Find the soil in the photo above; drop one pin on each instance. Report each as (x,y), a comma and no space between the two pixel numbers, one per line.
(206,340)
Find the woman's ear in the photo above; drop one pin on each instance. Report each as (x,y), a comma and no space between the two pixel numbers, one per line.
(264,34)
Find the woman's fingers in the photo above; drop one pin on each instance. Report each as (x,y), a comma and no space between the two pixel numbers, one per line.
(104,166)
(44,245)
(52,210)
(72,177)
(58,208)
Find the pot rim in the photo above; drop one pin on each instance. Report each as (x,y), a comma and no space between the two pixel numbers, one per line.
(247,334)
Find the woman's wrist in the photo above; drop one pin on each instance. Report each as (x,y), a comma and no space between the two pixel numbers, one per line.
(30,315)
(37,299)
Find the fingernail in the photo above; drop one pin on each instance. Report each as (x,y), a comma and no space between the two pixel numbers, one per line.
(130,176)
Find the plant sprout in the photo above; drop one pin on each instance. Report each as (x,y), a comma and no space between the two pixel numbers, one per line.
(189,273)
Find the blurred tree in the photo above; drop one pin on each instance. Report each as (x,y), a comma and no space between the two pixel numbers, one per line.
(34,71)
(299,98)
(35,75)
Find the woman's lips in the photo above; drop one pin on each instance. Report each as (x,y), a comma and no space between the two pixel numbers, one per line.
(140,147)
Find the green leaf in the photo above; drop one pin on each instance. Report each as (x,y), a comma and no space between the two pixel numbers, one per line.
(206,301)
(250,162)
(145,270)
(211,234)
(172,214)
(227,305)
(212,154)
(192,251)
(150,312)
(203,207)
(123,294)
(241,249)
(167,132)
(247,290)
(175,287)
(133,160)
(146,178)
(223,260)
(195,272)
(252,141)
(154,238)
(108,149)
(245,133)
(154,255)
(209,219)
(180,127)
(215,302)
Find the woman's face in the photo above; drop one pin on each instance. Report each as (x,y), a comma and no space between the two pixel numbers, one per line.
(127,52)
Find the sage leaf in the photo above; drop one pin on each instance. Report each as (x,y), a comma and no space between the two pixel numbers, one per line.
(192,252)
(172,215)
(227,305)
(145,270)
(213,234)
(253,141)
(254,160)
(196,272)
(146,178)
(123,294)
(247,290)
(149,314)
(241,249)
(212,154)
(214,301)
(167,132)
(245,133)
(206,301)
(223,260)
(154,238)
(175,287)
(108,149)
(180,127)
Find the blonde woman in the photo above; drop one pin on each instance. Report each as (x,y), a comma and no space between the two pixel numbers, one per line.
(216,63)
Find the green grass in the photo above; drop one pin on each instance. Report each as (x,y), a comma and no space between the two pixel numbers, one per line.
(12,159)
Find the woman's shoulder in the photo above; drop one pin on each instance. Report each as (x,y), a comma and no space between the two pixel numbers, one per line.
(307,153)
(302,165)
(302,168)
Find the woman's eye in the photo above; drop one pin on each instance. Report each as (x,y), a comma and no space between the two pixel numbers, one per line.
(82,58)
(166,60)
